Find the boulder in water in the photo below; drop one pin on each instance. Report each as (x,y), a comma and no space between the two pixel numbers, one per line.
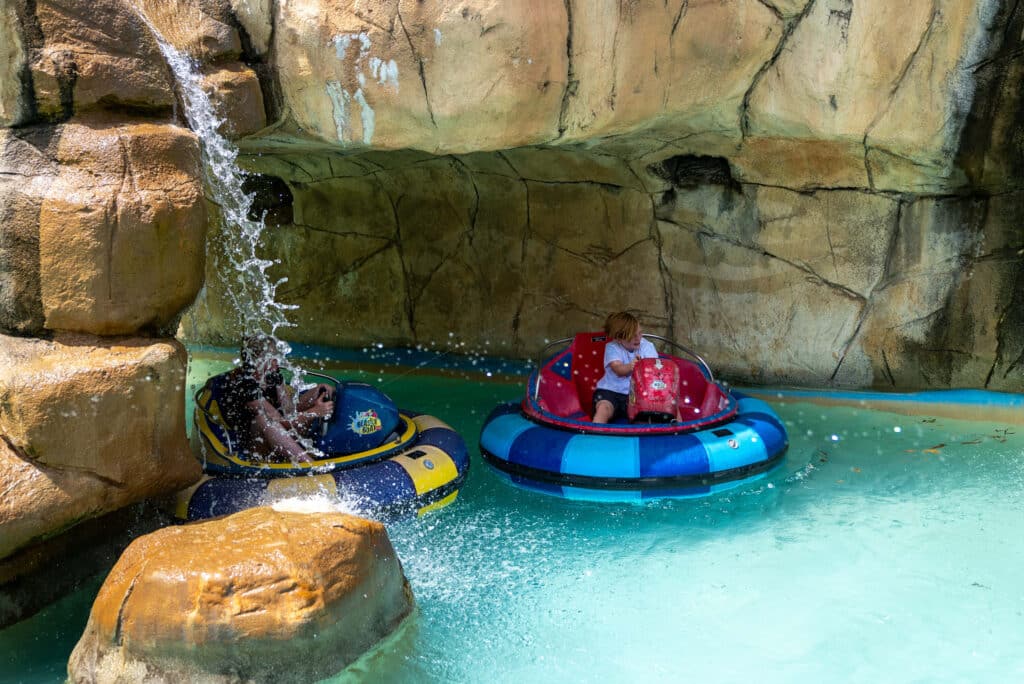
(262,595)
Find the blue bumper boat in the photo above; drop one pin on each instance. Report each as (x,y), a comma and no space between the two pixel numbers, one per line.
(716,439)
(381,460)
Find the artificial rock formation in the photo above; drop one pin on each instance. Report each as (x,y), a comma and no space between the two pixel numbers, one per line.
(809,192)
(87,428)
(500,252)
(102,231)
(103,226)
(262,595)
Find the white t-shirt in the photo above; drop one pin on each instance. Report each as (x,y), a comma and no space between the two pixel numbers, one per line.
(613,351)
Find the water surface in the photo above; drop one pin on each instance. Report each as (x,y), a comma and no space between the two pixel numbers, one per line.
(886,547)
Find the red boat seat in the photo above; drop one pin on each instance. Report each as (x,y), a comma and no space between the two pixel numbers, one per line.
(588,366)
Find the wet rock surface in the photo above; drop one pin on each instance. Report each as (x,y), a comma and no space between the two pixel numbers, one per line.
(262,595)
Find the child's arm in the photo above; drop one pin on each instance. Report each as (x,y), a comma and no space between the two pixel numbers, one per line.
(622,369)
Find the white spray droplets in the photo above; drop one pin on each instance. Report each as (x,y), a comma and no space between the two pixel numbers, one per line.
(252,294)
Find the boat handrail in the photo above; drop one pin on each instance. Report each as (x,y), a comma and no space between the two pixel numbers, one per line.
(672,343)
(214,420)
(540,361)
(334,381)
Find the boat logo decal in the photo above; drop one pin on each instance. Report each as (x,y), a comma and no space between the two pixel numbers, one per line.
(733,444)
(365,423)
(428,464)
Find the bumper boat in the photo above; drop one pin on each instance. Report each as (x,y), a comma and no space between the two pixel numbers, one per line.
(384,460)
(716,438)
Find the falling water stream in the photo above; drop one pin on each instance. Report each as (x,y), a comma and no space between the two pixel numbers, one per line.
(252,292)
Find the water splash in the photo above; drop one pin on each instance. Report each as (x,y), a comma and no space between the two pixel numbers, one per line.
(252,294)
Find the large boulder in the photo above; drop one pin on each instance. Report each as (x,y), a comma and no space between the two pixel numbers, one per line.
(262,596)
(102,228)
(90,425)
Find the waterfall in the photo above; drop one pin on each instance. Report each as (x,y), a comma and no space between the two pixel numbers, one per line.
(252,293)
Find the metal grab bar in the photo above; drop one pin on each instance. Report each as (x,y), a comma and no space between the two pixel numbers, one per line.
(540,362)
(676,345)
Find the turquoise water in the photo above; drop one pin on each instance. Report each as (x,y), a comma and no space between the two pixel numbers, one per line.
(886,547)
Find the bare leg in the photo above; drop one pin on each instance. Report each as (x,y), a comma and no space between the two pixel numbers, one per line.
(603,412)
(273,440)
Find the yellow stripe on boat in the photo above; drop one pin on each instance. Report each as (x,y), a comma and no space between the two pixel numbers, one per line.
(425,422)
(302,486)
(408,434)
(438,504)
(433,469)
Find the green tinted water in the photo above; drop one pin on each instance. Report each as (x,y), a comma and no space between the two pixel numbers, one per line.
(885,548)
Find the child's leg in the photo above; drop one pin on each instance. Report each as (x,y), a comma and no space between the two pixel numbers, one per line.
(603,411)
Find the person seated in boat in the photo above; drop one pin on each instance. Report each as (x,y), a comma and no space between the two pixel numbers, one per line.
(259,406)
(625,345)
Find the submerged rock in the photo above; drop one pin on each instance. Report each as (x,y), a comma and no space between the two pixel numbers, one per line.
(262,595)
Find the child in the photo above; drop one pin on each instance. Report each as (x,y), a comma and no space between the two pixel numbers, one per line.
(257,404)
(625,345)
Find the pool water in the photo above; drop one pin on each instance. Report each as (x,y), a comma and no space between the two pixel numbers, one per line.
(885,548)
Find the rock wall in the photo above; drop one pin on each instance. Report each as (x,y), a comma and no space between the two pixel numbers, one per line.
(496,253)
(809,192)
(102,231)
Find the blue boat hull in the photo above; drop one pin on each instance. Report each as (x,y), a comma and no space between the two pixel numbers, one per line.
(625,468)
(425,476)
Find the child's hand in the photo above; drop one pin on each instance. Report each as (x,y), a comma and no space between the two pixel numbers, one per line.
(323,406)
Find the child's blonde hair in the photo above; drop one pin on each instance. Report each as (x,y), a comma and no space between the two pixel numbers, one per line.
(621,325)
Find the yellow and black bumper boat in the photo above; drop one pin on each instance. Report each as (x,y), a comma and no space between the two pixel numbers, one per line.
(379,459)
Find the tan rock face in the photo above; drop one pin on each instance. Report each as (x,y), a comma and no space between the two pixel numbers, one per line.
(197,27)
(12,62)
(396,75)
(679,67)
(96,54)
(235,92)
(89,426)
(121,228)
(101,227)
(26,174)
(256,18)
(800,94)
(235,599)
